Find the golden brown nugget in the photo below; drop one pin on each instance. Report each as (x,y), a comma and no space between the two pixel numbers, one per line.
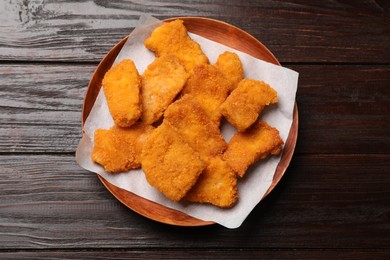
(169,163)
(245,103)
(121,86)
(210,89)
(230,65)
(119,149)
(163,79)
(196,128)
(172,38)
(217,185)
(245,148)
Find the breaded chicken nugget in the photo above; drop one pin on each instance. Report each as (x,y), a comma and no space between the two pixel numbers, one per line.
(169,163)
(196,128)
(245,148)
(210,89)
(121,86)
(217,185)
(119,149)
(245,103)
(163,79)
(172,38)
(230,65)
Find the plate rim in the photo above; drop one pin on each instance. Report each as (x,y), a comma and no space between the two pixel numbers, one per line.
(184,219)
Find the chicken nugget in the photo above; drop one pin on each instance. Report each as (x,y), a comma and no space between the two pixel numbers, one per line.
(119,149)
(245,148)
(163,79)
(245,103)
(230,65)
(195,127)
(210,89)
(169,163)
(172,38)
(217,185)
(121,85)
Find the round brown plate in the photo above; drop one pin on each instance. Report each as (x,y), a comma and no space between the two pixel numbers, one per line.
(217,31)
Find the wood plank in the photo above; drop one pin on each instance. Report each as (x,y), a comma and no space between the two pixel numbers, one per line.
(200,254)
(323,201)
(329,31)
(41,104)
(341,108)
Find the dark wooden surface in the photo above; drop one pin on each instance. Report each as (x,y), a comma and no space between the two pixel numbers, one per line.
(333,202)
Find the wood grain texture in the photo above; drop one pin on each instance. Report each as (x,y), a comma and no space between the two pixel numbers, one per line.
(323,201)
(295,31)
(342,108)
(41,104)
(333,201)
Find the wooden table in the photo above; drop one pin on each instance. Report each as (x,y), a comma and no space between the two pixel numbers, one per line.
(334,200)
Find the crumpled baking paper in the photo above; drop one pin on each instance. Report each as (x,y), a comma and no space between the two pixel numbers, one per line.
(259,176)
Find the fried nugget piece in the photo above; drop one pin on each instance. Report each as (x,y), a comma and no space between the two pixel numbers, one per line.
(121,85)
(172,38)
(245,148)
(195,127)
(163,79)
(119,149)
(210,89)
(230,65)
(169,163)
(245,103)
(217,185)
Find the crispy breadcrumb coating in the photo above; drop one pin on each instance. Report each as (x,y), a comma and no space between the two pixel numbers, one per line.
(163,79)
(210,89)
(245,148)
(172,38)
(217,185)
(121,85)
(169,163)
(230,65)
(119,149)
(245,103)
(196,128)
(185,156)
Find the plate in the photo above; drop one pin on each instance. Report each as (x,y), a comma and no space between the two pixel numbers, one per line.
(217,31)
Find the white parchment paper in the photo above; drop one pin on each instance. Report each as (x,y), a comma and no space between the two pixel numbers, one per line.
(258,178)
